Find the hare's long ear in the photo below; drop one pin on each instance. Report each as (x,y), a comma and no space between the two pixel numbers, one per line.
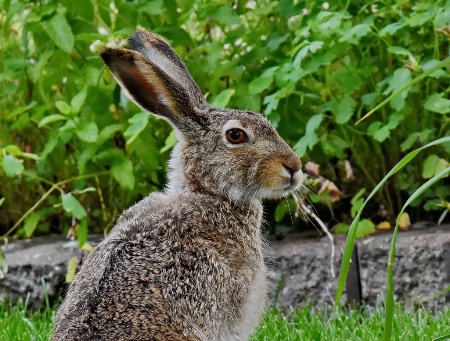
(156,78)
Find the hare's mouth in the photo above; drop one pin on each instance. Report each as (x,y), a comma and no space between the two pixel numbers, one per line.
(289,185)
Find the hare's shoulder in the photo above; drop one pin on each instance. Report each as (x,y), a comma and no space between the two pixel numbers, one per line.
(187,214)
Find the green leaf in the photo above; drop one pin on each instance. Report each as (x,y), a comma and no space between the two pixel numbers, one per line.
(31,223)
(107,132)
(123,173)
(341,228)
(51,144)
(345,109)
(12,166)
(50,119)
(222,99)
(223,14)
(280,212)
(398,80)
(309,49)
(171,141)
(433,165)
(399,50)
(429,64)
(357,202)
(391,29)
(355,33)
(2,200)
(78,101)
(20,110)
(59,30)
(63,107)
(73,206)
(422,136)
(310,138)
(152,7)
(82,232)
(87,132)
(138,124)
(436,103)
(365,228)
(442,18)
(261,83)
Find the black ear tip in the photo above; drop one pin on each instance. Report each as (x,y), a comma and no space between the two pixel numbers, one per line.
(138,39)
(107,55)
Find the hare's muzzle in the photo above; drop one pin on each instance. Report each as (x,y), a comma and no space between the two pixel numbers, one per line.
(292,171)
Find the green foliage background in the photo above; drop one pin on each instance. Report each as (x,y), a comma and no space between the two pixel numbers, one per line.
(75,151)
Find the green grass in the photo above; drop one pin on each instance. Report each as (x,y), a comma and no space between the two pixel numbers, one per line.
(366,324)
(302,324)
(18,324)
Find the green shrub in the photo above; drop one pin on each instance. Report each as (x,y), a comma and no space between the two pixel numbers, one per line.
(73,143)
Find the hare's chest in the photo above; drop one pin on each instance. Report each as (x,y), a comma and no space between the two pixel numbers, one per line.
(252,309)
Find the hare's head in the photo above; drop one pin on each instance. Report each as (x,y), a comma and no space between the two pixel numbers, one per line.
(236,154)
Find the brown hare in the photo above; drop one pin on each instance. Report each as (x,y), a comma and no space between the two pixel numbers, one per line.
(186,263)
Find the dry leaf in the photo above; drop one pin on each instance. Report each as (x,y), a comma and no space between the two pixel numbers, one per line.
(331,188)
(87,247)
(312,168)
(404,223)
(384,225)
(348,170)
(71,269)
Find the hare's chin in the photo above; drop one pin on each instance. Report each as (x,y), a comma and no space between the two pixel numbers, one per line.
(277,193)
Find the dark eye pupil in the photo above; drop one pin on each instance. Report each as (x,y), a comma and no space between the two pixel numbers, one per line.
(235,134)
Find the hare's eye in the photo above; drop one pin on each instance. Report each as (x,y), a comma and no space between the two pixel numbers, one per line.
(236,136)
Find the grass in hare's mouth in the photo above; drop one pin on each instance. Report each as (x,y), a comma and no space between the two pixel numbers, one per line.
(16,323)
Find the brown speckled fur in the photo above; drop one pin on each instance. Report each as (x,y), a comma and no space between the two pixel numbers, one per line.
(186,263)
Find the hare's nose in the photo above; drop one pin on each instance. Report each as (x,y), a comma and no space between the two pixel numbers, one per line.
(295,173)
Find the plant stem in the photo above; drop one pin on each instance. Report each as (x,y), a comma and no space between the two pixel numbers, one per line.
(54,186)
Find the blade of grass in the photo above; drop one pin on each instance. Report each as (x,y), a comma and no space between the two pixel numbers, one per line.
(440,293)
(351,236)
(438,66)
(442,338)
(390,281)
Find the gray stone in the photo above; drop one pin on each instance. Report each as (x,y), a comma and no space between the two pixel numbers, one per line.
(37,267)
(421,269)
(301,268)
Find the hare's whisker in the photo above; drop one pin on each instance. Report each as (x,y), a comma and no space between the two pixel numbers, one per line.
(290,213)
(305,214)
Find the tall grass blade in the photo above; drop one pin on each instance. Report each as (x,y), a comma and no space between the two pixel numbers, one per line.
(350,242)
(442,338)
(440,293)
(438,66)
(390,281)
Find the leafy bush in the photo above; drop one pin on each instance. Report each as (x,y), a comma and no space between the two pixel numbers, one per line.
(75,151)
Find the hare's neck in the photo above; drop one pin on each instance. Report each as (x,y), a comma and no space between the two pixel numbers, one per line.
(176,181)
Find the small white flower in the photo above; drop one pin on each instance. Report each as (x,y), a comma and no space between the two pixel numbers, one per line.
(325,5)
(95,47)
(250,4)
(64,80)
(305,11)
(32,61)
(102,31)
